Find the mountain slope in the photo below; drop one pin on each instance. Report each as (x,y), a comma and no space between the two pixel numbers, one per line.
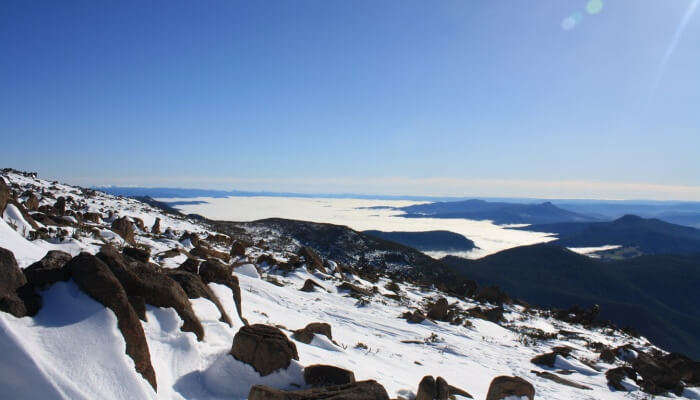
(651,236)
(427,240)
(655,294)
(498,212)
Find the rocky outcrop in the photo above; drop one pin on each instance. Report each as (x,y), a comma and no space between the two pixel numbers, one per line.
(430,389)
(558,379)
(213,271)
(195,288)
(363,390)
(657,376)
(49,269)
(504,386)
(266,348)
(238,249)
(615,377)
(306,334)
(548,359)
(438,310)
(206,253)
(311,286)
(96,279)
(4,195)
(16,297)
(124,228)
(155,229)
(414,317)
(155,287)
(313,261)
(31,203)
(327,375)
(138,254)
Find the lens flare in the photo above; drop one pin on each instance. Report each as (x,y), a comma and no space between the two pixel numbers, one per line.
(594,6)
(571,21)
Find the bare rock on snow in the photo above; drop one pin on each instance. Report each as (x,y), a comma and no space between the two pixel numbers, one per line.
(266,348)
(313,261)
(124,228)
(155,287)
(363,390)
(438,310)
(616,375)
(49,269)
(213,271)
(195,288)
(306,334)
(238,248)
(96,279)
(4,195)
(206,253)
(504,386)
(548,359)
(310,286)
(558,379)
(155,229)
(16,296)
(327,375)
(138,254)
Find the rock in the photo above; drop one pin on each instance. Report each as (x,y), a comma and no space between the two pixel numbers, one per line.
(16,297)
(155,287)
(355,291)
(124,228)
(238,249)
(4,195)
(438,310)
(32,202)
(213,271)
(616,375)
(415,317)
(60,205)
(687,368)
(327,375)
(363,390)
(192,237)
(206,253)
(427,389)
(306,334)
(657,377)
(491,294)
(137,254)
(548,359)
(139,223)
(138,303)
(195,288)
(310,286)
(560,380)
(608,355)
(190,265)
(313,261)
(503,386)
(266,348)
(92,217)
(49,269)
(155,229)
(96,279)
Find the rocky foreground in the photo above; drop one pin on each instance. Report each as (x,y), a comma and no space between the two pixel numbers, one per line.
(109,297)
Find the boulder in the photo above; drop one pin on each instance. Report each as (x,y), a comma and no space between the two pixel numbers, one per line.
(16,297)
(4,195)
(49,269)
(155,287)
(213,271)
(92,217)
(124,228)
(558,379)
(206,253)
(155,229)
(438,310)
(306,334)
(266,348)
(504,386)
(60,205)
(355,291)
(138,254)
(310,286)
(415,317)
(548,359)
(195,288)
(427,389)
(657,376)
(238,249)
(96,279)
(327,375)
(190,265)
(615,377)
(363,390)
(31,203)
(313,261)
(192,237)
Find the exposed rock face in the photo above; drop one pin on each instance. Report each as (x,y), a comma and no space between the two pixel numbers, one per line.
(238,249)
(504,386)
(313,261)
(363,390)
(49,269)
(190,265)
(137,254)
(15,297)
(4,195)
(558,379)
(438,310)
(615,377)
(548,359)
(60,205)
(266,348)
(427,389)
(354,289)
(155,229)
(194,287)
(327,375)
(96,279)
(192,237)
(310,286)
(307,334)
(155,287)
(204,252)
(657,376)
(32,202)
(124,228)
(213,271)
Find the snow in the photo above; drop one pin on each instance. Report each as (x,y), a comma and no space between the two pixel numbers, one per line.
(73,349)
(13,216)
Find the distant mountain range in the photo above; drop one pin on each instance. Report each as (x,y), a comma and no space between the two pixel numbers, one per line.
(498,212)
(428,240)
(649,236)
(657,294)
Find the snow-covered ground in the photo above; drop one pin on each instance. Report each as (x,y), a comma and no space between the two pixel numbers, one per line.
(72,348)
(357,214)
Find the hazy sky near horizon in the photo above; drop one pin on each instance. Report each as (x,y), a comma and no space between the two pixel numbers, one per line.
(551,98)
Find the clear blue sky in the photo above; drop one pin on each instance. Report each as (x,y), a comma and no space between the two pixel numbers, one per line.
(529,98)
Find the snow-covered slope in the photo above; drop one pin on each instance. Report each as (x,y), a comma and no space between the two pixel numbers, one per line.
(73,349)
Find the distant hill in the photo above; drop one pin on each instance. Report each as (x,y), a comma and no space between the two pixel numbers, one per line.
(656,294)
(498,212)
(428,240)
(648,235)
(677,212)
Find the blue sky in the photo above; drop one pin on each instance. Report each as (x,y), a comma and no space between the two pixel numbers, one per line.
(483,98)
